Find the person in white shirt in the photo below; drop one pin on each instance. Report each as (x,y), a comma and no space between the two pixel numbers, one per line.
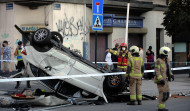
(109,61)
(141,53)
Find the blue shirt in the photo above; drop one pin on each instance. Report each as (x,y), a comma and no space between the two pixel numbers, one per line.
(6,53)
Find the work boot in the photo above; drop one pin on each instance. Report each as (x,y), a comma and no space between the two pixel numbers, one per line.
(163,109)
(17,85)
(131,103)
(28,84)
(139,103)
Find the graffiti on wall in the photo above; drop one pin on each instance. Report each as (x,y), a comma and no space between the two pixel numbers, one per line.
(72,29)
(5,35)
(119,40)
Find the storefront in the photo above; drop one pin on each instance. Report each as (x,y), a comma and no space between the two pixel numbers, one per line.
(180,51)
(118,23)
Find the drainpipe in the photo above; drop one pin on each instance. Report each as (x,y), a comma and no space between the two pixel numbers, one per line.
(85,44)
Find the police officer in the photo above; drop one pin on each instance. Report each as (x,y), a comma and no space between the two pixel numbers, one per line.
(20,63)
(123,56)
(135,70)
(163,75)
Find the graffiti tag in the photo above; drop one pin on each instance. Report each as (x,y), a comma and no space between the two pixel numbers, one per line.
(5,35)
(69,28)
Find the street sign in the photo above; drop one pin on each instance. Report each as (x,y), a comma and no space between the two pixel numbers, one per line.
(97,18)
(97,7)
(97,22)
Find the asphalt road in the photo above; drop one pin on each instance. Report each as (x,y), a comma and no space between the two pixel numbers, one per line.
(181,84)
(173,104)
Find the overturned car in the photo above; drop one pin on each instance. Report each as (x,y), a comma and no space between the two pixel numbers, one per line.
(46,56)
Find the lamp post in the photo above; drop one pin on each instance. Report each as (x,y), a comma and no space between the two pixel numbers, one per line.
(127,22)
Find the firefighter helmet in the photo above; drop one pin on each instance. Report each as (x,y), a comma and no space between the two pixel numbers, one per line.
(123,45)
(164,50)
(134,49)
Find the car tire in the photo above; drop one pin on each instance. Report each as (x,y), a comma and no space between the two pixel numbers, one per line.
(57,37)
(114,83)
(41,37)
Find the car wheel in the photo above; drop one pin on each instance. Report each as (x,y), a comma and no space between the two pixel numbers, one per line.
(41,37)
(114,84)
(57,37)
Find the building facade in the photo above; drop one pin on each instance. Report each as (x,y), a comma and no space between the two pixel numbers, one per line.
(73,19)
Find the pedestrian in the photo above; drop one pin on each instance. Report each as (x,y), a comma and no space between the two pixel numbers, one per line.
(109,61)
(150,61)
(123,56)
(6,52)
(163,75)
(135,70)
(141,53)
(115,57)
(188,61)
(20,64)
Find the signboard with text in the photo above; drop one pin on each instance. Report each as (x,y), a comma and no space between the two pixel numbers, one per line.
(110,20)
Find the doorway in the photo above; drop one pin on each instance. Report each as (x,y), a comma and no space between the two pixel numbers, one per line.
(102,44)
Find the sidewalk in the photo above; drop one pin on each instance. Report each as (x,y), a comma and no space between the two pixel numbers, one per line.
(180,84)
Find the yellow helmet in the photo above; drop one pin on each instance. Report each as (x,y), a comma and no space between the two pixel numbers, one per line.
(134,49)
(164,50)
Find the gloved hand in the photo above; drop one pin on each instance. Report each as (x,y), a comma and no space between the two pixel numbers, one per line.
(172,77)
(162,82)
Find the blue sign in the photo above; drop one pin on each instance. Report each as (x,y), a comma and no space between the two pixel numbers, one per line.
(108,22)
(97,6)
(31,28)
(57,6)
(120,21)
(97,22)
(97,18)
(9,6)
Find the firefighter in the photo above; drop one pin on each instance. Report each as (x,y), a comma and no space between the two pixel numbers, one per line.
(135,70)
(123,56)
(163,75)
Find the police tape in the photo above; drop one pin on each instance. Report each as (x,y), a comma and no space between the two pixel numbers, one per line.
(144,62)
(75,76)
(9,60)
(105,62)
(59,77)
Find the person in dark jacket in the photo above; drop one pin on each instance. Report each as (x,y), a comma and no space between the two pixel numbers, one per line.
(114,57)
(150,61)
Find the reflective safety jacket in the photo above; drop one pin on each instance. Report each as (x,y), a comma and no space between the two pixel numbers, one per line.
(19,57)
(122,58)
(160,69)
(135,68)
